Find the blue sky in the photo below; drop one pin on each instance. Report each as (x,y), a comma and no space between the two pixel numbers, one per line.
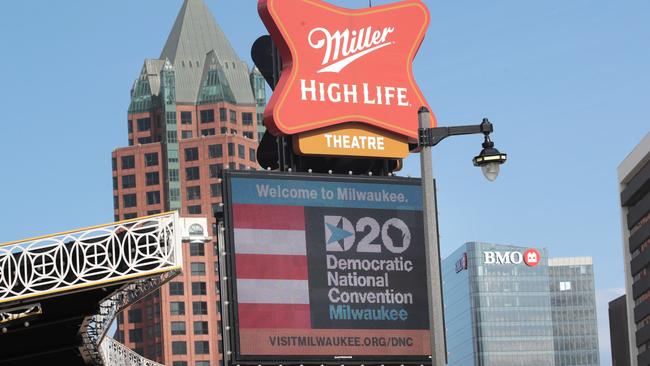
(564,82)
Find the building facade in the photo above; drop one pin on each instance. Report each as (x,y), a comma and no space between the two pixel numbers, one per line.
(573,307)
(618,334)
(194,111)
(509,305)
(634,185)
(497,308)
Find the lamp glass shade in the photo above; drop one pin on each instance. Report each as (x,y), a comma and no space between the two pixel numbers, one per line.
(491,170)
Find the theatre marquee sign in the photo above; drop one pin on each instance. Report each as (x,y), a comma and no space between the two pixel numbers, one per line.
(348,71)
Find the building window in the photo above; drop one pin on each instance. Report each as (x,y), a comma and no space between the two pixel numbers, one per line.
(208,132)
(173,175)
(260,119)
(186,135)
(233,116)
(215,151)
(194,210)
(186,118)
(199,288)
(177,308)
(172,137)
(128,162)
(192,154)
(242,167)
(129,216)
(153,197)
(128,181)
(251,155)
(197,249)
(116,202)
(178,328)
(153,212)
(199,308)
(197,268)
(179,363)
(215,190)
(203,363)
(224,130)
(207,116)
(233,131)
(144,124)
(179,348)
(151,159)
(152,178)
(248,134)
(223,114)
(145,140)
(565,286)
(114,164)
(129,124)
(202,347)
(130,200)
(232,166)
(174,194)
(192,173)
(200,327)
(215,169)
(231,149)
(194,193)
(241,151)
(114,183)
(135,316)
(135,335)
(247,118)
(176,289)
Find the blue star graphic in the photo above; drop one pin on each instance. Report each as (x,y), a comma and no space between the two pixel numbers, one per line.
(337,233)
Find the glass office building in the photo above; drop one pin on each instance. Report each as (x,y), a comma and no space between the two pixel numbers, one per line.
(497,307)
(573,306)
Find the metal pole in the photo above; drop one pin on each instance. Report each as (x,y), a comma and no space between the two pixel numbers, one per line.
(432,250)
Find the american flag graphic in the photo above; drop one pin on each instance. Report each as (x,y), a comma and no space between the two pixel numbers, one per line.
(271,266)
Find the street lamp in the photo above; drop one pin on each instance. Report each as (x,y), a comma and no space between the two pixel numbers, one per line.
(489,160)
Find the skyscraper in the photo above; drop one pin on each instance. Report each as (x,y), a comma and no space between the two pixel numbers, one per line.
(634,185)
(618,335)
(573,307)
(497,307)
(509,305)
(194,111)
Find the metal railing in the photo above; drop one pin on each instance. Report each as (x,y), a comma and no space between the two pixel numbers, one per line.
(115,353)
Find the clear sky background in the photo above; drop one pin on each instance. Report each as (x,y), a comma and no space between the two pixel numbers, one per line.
(566,84)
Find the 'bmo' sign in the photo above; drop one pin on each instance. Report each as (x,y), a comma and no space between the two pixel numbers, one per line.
(530,257)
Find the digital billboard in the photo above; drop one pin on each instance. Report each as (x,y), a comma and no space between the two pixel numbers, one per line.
(326,268)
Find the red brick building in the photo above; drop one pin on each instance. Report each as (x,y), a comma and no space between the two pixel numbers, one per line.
(194,111)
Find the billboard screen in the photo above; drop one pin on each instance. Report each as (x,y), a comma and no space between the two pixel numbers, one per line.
(326,268)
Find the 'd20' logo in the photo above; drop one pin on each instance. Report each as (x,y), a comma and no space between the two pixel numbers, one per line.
(341,235)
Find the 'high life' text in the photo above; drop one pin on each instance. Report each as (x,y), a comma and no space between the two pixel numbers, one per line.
(314,91)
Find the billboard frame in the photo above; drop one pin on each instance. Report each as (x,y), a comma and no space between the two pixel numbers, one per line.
(234,356)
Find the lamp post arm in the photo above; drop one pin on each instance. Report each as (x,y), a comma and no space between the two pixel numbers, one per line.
(432,136)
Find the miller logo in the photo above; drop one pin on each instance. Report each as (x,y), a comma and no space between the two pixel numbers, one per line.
(345,65)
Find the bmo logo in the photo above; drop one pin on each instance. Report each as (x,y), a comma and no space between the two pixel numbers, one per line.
(530,257)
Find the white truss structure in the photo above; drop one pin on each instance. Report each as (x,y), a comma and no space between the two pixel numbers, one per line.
(141,253)
(89,257)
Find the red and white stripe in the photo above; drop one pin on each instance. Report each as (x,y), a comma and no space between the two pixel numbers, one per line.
(271,266)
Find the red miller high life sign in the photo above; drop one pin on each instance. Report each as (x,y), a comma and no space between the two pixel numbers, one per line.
(343,65)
